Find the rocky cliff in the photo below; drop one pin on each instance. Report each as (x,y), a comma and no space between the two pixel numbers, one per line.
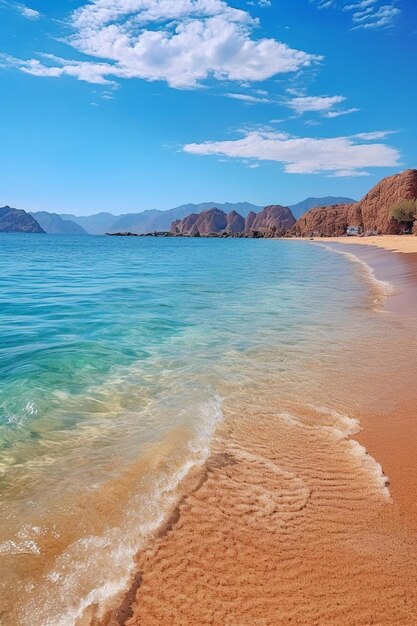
(273,220)
(205,223)
(17,221)
(376,205)
(372,213)
(331,221)
(249,221)
(235,223)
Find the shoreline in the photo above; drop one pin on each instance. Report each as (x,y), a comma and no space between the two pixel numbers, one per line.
(406,244)
(198,542)
(393,259)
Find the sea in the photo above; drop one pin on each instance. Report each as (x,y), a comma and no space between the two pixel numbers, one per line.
(119,361)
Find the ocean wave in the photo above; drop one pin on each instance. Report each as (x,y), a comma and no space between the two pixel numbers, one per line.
(93,570)
(381,289)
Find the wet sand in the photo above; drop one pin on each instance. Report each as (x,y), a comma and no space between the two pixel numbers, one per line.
(292,521)
(391,435)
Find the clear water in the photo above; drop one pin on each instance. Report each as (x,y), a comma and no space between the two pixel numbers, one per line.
(117,356)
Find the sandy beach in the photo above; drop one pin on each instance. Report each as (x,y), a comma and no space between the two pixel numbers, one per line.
(406,244)
(300,517)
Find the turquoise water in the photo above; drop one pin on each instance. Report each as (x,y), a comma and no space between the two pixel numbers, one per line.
(117,356)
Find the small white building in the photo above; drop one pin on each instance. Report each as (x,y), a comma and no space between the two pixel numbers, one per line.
(354,231)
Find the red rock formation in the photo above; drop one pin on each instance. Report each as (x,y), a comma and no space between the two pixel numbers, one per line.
(376,205)
(249,220)
(235,223)
(327,221)
(372,213)
(211,221)
(185,226)
(208,222)
(273,219)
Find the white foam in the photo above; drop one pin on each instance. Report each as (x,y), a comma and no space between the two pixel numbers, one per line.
(109,559)
(11,547)
(384,288)
(345,428)
(23,543)
(373,468)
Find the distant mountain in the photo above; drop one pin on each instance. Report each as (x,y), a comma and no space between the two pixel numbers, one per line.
(310,203)
(151,220)
(17,221)
(55,225)
(148,221)
(97,224)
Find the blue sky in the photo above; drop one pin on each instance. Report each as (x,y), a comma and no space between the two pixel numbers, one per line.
(125,105)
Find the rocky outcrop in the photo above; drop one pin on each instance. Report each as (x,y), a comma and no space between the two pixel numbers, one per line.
(186,226)
(376,205)
(249,221)
(235,223)
(331,221)
(372,213)
(208,222)
(17,221)
(211,221)
(273,220)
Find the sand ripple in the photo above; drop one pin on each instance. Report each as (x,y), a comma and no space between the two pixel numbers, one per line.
(289,525)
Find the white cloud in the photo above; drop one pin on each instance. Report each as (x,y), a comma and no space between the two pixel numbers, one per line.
(260,3)
(339,156)
(362,4)
(30,14)
(374,135)
(366,14)
(332,114)
(304,104)
(324,4)
(90,72)
(25,11)
(374,18)
(182,42)
(320,104)
(247,98)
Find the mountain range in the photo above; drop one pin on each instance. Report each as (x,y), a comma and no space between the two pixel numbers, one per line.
(372,214)
(144,222)
(54,224)
(151,220)
(155,220)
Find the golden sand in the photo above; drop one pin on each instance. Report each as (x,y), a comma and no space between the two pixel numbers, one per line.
(406,244)
(291,522)
(287,525)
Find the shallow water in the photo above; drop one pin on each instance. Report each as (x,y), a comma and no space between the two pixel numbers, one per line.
(117,357)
